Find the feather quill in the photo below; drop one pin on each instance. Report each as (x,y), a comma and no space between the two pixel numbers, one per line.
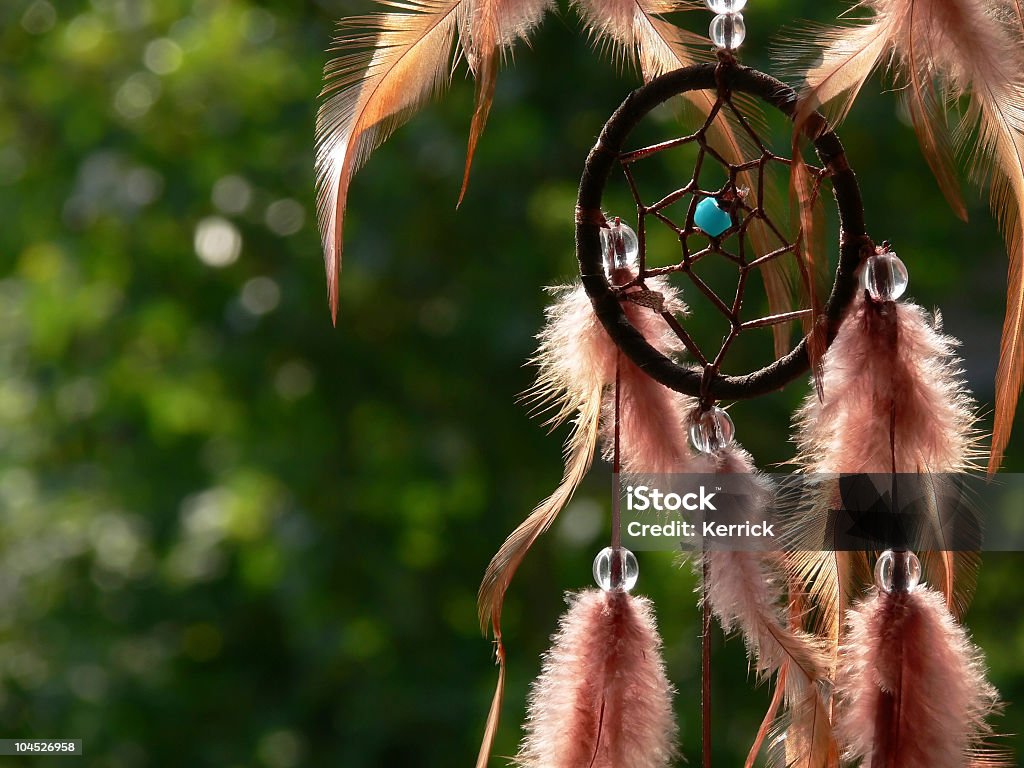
(603,699)
(912,692)
(956,48)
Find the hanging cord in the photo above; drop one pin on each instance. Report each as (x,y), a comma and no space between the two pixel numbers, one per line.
(726,61)
(705,671)
(707,402)
(617,576)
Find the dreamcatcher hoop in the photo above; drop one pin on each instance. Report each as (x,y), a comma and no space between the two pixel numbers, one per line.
(725,77)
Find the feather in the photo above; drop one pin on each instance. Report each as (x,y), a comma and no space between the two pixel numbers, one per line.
(579,451)
(577,363)
(388,65)
(851,53)
(810,741)
(886,354)
(603,699)
(810,247)
(848,56)
(925,108)
(999,153)
(651,419)
(744,593)
(777,286)
(634,28)
(963,47)
(494,714)
(742,587)
(822,575)
(770,717)
(494,26)
(912,689)
(652,431)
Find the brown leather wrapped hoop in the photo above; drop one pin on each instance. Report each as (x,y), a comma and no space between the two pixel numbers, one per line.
(707,382)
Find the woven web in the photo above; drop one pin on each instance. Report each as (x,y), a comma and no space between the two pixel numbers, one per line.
(743,195)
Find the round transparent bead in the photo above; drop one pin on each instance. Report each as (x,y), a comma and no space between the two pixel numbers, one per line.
(728,30)
(726,6)
(629,570)
(885,570)
(712,430)
(884,277)
(620,246)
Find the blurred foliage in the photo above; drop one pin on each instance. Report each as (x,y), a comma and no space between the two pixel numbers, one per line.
(233,536)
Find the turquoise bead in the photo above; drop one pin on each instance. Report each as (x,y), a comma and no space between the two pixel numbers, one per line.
(710,218)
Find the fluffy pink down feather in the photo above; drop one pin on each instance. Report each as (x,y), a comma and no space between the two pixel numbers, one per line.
(652,425)
(744,588)
(576,362)
(576,356)
(912,692)
(878,360)
(603,699)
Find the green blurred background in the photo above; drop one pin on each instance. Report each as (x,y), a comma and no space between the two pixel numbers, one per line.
(231,535)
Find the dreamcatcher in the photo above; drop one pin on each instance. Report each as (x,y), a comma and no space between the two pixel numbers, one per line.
(863,647)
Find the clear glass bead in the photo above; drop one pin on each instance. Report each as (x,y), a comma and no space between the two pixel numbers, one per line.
(726,6)
(885,570)
(629,570)
(884,277)
(712,430)
(728,30)
(620,246)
